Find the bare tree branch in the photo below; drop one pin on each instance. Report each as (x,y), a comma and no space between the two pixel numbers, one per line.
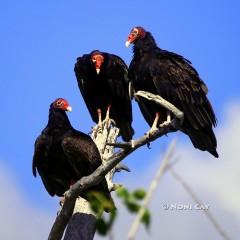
(96,177)
(152,188)
(198,201)
(159,100)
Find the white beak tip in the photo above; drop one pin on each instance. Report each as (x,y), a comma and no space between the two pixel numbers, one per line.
(127,43)
(69,108)
(98,71)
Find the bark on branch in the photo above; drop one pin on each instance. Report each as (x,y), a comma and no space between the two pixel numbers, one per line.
(84,183)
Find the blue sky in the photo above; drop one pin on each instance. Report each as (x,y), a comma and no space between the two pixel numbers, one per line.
(40,41)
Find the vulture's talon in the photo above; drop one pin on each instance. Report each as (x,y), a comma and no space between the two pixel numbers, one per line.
(151,132)
(164,124)
(132,143)
(108,122)
(62,200)
(98,129)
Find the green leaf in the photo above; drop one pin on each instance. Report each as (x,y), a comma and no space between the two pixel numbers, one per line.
(132,206)
(99,202)
(123,193)
(101,226)
(139,194)
(146,218)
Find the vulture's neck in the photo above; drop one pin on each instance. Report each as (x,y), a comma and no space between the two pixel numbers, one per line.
(58,119)
(144,45)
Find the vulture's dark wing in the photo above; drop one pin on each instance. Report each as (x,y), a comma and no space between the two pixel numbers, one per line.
(83,72)
(176,80)
(81,152)
(137,76)
(40,161)
(119,82)
(185,65)
(84,157)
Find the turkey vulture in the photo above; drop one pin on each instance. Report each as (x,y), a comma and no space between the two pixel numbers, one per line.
(172,77)
(103,81)
(63,155)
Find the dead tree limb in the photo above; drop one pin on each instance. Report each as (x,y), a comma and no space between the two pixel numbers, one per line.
(84,183)
(198,201)
(152,188)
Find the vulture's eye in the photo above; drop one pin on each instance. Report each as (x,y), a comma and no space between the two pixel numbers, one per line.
(59,103)
(135,32)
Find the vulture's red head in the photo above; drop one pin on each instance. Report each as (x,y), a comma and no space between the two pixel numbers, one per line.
(135,34)
(61,103)
(97,58)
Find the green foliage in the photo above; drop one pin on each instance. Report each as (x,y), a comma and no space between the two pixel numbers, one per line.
(100,203)
(122,193)
(146,218)
(103,224)
(139,194)
(131,200)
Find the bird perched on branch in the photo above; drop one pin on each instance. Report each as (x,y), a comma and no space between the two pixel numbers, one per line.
(171,76)
(103,81)
(63,155)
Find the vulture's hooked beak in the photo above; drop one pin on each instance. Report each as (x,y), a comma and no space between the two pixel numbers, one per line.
(127,43)
(69,108)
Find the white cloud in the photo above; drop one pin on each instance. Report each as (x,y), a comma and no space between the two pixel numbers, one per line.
(19,220)
(215,181)
(219,177)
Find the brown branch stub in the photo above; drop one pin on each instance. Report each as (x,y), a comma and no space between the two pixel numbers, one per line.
(111,161)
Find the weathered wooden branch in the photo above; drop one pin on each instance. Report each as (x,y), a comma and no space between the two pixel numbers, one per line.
(159,100)
(109,133)
(84,183)
(151,190)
